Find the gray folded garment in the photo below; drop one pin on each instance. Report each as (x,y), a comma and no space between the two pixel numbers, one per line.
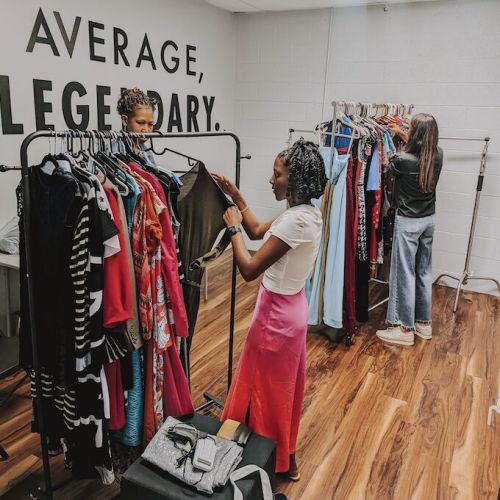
(164,453)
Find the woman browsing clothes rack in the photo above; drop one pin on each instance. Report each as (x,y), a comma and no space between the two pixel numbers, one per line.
(268,387)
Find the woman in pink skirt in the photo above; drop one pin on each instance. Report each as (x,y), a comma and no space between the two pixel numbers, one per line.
(268,387)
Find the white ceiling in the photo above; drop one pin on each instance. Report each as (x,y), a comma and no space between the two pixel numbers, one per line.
(275,5)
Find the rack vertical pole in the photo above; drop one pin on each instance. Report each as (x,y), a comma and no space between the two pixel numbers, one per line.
(466,275)
(233,280)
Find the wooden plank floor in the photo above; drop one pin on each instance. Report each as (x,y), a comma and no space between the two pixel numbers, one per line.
(378,421)
(383,421)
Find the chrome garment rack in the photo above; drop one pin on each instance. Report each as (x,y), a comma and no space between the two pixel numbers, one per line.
(467,275)
(362,109)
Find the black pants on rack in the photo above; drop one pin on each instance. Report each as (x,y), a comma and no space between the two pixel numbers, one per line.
(363,267)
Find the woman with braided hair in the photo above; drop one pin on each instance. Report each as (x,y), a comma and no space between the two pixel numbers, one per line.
(268,387)
(136,110)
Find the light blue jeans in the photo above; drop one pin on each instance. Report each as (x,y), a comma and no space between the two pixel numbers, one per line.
(410,283)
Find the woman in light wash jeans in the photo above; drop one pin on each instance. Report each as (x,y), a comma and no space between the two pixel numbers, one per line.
(417,170)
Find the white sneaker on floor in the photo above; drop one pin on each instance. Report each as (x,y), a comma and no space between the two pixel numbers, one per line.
(423,330)
(396,335)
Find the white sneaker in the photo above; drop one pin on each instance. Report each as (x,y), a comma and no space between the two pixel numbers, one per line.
(396,335)
(423,330)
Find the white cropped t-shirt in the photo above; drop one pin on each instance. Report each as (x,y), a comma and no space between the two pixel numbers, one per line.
(300,228)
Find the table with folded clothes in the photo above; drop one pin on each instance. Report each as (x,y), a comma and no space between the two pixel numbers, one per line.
(148,476)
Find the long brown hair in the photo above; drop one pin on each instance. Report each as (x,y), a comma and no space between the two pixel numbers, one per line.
(422,142)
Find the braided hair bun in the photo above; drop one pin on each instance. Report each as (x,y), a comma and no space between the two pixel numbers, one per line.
(306,171)
(132,98)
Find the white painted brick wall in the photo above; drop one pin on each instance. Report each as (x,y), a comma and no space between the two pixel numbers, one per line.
(279,84)
(453,72)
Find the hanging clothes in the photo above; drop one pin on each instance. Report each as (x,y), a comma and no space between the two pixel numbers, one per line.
(131,433)
(100,241)
(58,199)
(333,289)
(170,263)
(350,252)
(334,269)
(130,328)
(357,216)
(75,394)
(202,205)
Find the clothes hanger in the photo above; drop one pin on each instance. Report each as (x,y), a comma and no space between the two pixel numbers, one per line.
(110,165)
(49,163)
(70,154)
(347,109)
(356,121)
(92,153)
(71,146)
(119,158)
(129,149)
(191,161)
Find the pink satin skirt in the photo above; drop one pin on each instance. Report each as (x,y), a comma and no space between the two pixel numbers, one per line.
(268,387)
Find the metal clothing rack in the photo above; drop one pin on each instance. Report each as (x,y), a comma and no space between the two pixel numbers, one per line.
(467,274)
(211,400)
(352,107)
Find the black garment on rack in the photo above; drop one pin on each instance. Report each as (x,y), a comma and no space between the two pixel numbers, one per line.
(56,199)
(67,221)
(363,267)
(202,205)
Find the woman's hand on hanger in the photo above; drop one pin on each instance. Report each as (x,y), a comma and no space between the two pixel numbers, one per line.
(228,186)
(233,217)
(253,227)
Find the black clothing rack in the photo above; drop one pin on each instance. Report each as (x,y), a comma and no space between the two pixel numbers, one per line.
(5,168)
(91,135)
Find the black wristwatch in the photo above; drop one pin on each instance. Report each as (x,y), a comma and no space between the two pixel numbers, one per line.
(232,230)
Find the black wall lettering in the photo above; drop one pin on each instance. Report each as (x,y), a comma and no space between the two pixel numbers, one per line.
(120,47)
(93,40)
(102,108)
(159,109)
(48,39)
(174,59)
(69,42)
(82,110)
(190,59)
(8,128)
(209,107)
(143,56)
(42,106)
(193,106)
(174,117)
